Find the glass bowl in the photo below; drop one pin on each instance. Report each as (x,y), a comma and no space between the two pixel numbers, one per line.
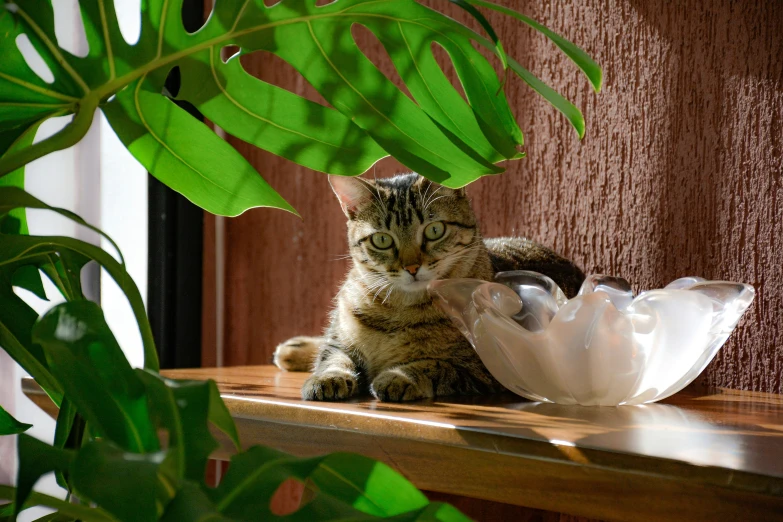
(604,347)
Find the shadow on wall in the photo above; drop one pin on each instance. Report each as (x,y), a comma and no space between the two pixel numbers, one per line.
(723,169)
(722,57)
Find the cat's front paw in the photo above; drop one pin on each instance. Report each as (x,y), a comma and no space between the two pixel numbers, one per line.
(395,386)
(297,354)
(331,386)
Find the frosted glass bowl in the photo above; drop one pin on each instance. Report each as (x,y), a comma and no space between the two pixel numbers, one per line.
(604,347)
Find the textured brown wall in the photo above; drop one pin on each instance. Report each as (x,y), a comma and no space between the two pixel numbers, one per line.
(681,173)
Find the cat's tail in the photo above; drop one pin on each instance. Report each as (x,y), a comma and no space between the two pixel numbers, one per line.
(297,354)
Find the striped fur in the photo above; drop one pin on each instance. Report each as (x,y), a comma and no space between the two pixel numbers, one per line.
(385,333)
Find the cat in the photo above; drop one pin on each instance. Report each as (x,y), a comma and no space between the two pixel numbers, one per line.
(385,333)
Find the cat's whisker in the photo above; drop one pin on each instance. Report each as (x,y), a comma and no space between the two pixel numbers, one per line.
(457,257)
(462,253)
(372,283)
(379,291)
(378,203)
(367,295)
(471,247)
(433,201)
(425,190)
(377,191)
(373,280)
(371,275)
(426,200)
(376,285)
(430,200)
(422,199)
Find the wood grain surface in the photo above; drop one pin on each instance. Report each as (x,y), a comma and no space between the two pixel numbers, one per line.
(680,173)
(703,454)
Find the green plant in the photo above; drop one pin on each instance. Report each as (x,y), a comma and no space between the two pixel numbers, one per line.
(439,134)
(107,447)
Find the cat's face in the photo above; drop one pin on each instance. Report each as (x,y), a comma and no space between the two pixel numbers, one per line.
(406,231)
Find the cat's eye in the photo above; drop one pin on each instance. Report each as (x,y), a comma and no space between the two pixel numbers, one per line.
(381,241)
(434,231)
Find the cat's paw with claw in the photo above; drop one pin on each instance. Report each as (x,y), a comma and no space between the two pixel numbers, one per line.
(395,386)
(331,386)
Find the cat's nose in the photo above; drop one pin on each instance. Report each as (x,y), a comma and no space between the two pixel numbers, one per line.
(412,269)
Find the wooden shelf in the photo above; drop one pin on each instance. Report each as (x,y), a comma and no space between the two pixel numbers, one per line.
(700,455)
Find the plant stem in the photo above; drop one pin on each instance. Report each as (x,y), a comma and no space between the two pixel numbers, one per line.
(67,137)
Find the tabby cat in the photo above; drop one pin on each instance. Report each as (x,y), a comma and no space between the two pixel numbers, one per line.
(385,331)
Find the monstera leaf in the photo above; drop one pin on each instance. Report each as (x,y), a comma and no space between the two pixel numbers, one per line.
(436,132)
(61,259)
(120,471)
(130,444)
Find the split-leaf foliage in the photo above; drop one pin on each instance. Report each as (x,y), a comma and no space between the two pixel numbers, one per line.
(438,133)
(108,450)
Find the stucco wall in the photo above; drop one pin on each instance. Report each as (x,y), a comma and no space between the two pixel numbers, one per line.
(681,173)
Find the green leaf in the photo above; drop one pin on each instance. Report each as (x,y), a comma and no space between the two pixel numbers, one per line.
(64,269)
(583,60)
(35,459)
(185,409)
(475,13)
(569,110)
(15,198)
(220,416)
(192,505)
(79,512)
(436,511)
(12,198)
(133,487)
(276,120)
(86,359)
(25,96)
(15,220)
(165,413)
(186,155)
(65,420)
(68,433)
(10,141)
(16,323)
(56,517)
(370,486)
(327,56)
(11,137)
(367,486)
(410,48)
(62,258)
(29,278)
(6,510)
(11,426)
(317,41)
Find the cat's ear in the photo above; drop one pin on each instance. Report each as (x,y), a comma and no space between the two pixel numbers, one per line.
(353,193)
